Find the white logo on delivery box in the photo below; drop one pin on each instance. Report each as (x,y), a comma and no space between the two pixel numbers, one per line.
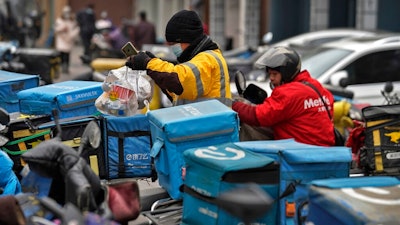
(375,195)
(137,156)
(77,97)
(210,152)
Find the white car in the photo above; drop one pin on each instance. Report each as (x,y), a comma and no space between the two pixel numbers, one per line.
(243,58)
(362,64)
(317,38)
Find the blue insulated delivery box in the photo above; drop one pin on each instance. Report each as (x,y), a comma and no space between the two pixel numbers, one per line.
(213,170)
(178,128)
(356,200)
(70,98)
(127,144)
(10,84)
(299,165)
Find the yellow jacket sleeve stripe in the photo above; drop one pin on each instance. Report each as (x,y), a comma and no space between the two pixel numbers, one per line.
(199,83)
(221,68)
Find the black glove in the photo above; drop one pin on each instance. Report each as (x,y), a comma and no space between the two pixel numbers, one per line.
(151,55)
(138,62)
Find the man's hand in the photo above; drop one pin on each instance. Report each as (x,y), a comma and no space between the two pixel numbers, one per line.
(139,61)
(240,99)
(246,112)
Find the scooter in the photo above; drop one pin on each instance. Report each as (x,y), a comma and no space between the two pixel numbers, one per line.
(346,112)
(246,203)
(358,138)
(169,212)
(9,183)
(8,59)
(83,195)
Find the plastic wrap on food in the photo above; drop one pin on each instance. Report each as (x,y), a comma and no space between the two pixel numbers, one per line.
(125,91)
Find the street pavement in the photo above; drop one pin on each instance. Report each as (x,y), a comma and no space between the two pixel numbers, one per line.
(76,68)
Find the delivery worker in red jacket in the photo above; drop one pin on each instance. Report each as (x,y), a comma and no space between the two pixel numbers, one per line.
(201,73)
(294,109)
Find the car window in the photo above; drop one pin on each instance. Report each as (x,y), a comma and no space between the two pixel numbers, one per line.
(375,68)
(319,60)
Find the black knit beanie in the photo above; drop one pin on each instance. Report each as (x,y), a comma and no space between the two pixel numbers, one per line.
(184,27)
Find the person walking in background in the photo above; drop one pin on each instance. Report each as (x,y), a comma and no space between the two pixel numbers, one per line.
(201,73)
(118,37)
(104,23)
(66,32)
(144,32)
(87,22)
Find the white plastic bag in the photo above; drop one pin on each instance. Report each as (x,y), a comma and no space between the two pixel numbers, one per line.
(125,91)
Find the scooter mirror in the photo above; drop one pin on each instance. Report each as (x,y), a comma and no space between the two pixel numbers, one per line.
(3,140)
(247,203)
(255,94)
(93,134)
(267,38)
(4,117)
(91,137)
(240,82)
(388,87)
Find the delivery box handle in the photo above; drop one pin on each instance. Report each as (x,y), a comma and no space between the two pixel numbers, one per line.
(156,148)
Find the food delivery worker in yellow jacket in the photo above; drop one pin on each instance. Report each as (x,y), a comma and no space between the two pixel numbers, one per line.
(201,73)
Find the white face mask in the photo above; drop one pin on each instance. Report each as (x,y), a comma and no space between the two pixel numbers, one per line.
(176,49)
(67,15)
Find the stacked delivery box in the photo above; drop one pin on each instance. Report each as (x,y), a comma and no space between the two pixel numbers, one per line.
(176,129)
(300,164)
(70,98)
(217,169)
(10,84)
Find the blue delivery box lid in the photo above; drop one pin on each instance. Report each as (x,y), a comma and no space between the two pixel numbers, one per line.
(70,98)
(10,84)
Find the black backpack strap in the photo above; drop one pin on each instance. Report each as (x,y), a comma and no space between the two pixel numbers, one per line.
(382,125)
(319,94)
(121,136)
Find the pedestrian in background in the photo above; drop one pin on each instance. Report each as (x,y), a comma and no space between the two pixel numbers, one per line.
(66,32)
(120,35)
(87,22)
(144,32)
(104,23)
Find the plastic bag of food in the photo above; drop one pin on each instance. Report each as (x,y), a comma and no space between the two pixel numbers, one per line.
(125,91)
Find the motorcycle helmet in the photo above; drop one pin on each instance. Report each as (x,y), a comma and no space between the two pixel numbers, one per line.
(283,59)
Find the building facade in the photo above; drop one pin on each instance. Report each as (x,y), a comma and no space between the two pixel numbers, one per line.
(236,23)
